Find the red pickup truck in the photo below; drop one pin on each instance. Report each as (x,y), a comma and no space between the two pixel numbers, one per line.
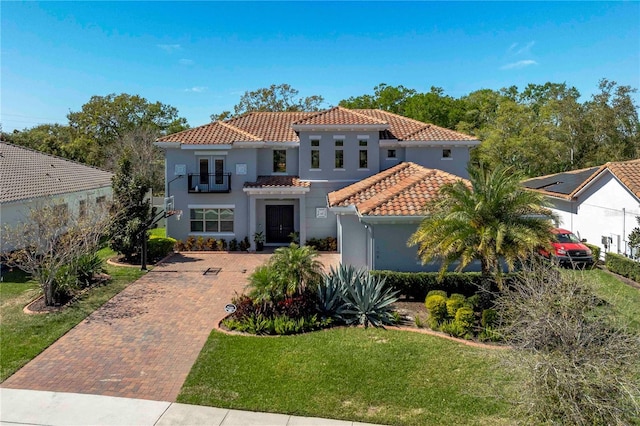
(568,249)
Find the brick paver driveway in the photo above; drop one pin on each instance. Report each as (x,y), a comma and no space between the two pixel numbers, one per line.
(143,342)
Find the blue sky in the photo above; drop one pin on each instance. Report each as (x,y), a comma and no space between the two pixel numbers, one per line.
(200,57)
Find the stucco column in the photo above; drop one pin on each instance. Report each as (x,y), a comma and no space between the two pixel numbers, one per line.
(252,221)
(303,220)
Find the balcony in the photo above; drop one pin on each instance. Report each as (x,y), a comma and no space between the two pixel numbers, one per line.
(209,183)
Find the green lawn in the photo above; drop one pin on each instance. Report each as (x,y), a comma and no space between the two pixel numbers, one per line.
(369,375)
(25,336)
(378,376)
(624,299)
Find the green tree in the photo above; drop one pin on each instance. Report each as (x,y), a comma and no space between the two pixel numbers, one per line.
(106,119)
(385,97)
(488,219)
(611,130)
(634,239)
(436,108)
(275,98)
(131,210)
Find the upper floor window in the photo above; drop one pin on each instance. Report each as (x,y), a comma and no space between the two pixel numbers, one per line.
(315,159)
(362,142)
(446,153)
(279,161)
(339,159)
(211,220)
(315,142)
(363,163)
(339,142)
(391,153)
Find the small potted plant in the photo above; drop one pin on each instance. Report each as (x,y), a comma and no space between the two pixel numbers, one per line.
(258,238)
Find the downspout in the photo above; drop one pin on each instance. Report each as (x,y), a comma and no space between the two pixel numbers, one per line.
(624,231)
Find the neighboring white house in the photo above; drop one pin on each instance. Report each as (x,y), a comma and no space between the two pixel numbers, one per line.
(599,204)
(29,179)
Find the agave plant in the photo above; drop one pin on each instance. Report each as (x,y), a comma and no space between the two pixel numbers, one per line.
(369,302)
(330,295)
(355,297)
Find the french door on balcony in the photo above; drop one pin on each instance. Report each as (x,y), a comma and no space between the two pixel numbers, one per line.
(279,223)
(211,170)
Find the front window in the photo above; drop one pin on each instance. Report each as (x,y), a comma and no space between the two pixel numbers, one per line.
(211,220)
(339,159)
(315,159)
(279,161)
(446,153)
(363,159)
(391,153)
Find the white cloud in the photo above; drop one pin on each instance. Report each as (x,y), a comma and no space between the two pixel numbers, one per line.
(514,50)
(526,48)
(186,62)
(519,64)
(196,89)
(169,48)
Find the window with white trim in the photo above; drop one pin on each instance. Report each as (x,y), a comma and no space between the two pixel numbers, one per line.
(339,154)
(363,162)
(211,220)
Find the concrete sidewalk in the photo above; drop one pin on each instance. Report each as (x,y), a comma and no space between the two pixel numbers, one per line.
(42,408)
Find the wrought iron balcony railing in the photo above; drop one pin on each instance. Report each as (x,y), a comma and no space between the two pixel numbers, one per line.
(209,183)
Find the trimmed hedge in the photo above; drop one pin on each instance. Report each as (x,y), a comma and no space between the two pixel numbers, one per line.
(622,266)
(595,251)
(416,285)
(158,248)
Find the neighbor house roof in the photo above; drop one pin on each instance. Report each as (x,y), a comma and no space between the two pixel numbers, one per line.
(26,174)
(567,185)
(279,127)
(402,190)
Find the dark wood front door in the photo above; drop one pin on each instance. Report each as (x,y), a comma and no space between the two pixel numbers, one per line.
(279,223)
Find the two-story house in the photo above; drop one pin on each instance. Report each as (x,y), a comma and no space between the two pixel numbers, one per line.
(271,172)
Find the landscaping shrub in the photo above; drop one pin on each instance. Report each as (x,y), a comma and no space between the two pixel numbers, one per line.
(595,252)
(211,244)
(453,304)
(437,292)
(437,307)
(233,245)
(623,266)
(87,267)
(489,318)
(158,248)
(245,244)
(416,285)
(323,244)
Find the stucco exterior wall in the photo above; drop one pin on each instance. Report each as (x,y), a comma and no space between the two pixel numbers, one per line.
(14,213)
(352,241)
(183,200)
(605,209)
(432,158)
(327,148)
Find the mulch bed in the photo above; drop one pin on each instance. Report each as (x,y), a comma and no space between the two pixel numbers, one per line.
(38,306)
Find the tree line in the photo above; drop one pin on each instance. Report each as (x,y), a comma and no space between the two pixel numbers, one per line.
(541,129)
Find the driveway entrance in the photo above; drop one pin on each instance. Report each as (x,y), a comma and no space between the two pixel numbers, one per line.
(143,342)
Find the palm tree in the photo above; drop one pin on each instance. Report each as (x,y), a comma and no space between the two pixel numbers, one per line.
(490,217)
(297,267)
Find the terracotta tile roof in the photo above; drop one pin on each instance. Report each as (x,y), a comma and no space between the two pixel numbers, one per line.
(628,172)
(408,129)
(217,133)
(339,115)
(277,127)
(270,126)
(277,182)
(402,190)
(567,185)
(25,174)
